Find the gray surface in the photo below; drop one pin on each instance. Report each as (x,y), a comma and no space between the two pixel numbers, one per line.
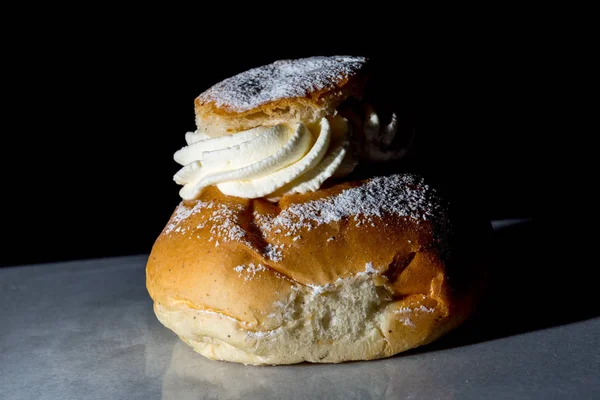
(86,330)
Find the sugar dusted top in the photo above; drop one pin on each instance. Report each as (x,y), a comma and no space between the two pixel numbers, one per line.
(281,79)
(403,195)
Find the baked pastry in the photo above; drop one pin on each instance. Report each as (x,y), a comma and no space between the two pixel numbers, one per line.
(272,257)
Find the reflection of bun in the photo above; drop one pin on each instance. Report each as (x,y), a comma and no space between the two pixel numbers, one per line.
(353,272)
(285,91)
(187,372)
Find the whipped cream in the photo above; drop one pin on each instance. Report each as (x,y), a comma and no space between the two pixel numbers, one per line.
(378,140)
(271,161)
(265,161)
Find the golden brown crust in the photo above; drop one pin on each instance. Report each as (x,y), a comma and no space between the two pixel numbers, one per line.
(218,254)
(219,110)
(328,98)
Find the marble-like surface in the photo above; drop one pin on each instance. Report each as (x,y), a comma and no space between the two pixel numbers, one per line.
(86,330)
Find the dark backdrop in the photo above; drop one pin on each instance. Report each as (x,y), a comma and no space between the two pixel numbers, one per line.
(99,110)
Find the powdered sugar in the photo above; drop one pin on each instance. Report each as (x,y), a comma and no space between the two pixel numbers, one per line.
(404,312)
(406,321)
(273,252)
(223,221)
(249,271)
(226,223)
(407,310)
(182,213)
(402,195)
(281,79)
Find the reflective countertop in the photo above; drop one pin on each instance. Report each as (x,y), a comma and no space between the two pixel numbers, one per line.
(86,330)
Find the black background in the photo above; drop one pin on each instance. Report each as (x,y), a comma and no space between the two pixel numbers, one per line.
(97,110)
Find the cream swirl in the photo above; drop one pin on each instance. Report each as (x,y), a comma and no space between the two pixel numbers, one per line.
(378,140)
(263,161)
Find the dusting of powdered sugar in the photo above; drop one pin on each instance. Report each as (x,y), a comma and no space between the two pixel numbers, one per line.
(407,310)
(403,195)
(403,313)
(181,213)
(225,223)
(406,321)
(280,80)
(249,271)
(223,220)
(273,252)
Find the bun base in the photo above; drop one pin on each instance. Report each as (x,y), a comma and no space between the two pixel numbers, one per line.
(317,277)
(353,319)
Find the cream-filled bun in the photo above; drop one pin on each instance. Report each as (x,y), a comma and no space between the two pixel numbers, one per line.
(269,260)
